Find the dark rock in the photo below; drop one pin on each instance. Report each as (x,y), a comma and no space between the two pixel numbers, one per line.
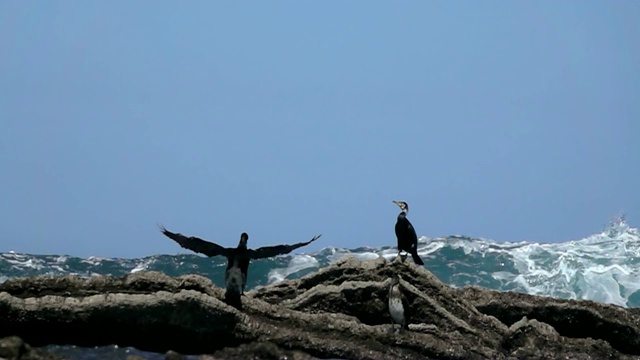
(135,357)
(338,312)
(577,319)
(534,339)
(172,355)
(258,351)
(14,348)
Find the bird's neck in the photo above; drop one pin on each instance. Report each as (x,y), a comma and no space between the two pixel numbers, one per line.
(395,290)
(402,215)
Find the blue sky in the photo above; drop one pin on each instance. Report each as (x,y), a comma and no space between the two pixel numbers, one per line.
(505,120)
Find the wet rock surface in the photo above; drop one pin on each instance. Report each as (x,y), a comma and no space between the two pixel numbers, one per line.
(258,351)
(14,348)
(573,319)
(339,312)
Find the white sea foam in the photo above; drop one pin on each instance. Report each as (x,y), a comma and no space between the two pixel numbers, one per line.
(297,263)
(143,265)
(93,260)
(140,267)
(604,267)
(333,254)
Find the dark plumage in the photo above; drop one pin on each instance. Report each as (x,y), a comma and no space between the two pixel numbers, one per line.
(406,234)
(398,304)
(238,258)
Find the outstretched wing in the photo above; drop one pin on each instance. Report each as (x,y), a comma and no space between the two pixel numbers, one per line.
(196,244)
(270,251)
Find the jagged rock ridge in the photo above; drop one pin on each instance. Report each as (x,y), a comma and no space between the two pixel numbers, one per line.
(337,312)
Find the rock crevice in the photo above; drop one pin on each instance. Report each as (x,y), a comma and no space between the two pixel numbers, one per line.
(338,312)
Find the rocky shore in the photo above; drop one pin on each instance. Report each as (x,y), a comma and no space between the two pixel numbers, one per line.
(339,312)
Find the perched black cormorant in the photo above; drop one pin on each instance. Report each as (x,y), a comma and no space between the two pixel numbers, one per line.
(406,234)
(238,258)
(398,304)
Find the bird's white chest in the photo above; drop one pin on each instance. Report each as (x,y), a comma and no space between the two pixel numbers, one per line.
(396,310)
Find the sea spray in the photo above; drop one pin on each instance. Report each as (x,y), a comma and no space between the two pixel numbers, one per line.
(603,267)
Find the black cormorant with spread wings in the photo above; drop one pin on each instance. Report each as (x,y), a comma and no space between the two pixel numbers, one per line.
(406,234)
(238,258)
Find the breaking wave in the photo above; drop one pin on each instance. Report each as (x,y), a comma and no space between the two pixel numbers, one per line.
(602,267)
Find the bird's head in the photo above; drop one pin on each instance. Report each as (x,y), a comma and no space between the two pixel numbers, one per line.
(404,207)
(243,239)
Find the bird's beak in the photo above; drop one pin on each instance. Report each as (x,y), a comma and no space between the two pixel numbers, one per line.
(395,202)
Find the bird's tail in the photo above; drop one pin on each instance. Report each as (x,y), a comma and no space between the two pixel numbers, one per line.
(416,258)
(232,297)
(234,289)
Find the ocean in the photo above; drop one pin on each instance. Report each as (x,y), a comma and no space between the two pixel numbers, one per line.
(603,267)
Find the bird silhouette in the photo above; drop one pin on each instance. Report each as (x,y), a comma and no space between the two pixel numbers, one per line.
(406,234)
(238,258)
